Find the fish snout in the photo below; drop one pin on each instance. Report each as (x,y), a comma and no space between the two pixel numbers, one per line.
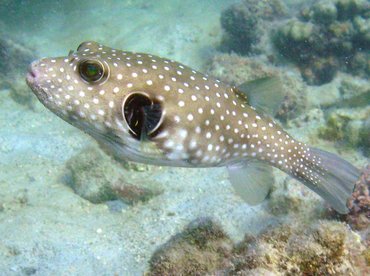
(34,80)
(33,72)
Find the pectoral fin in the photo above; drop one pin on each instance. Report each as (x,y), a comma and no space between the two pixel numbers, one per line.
(265,94)
(251,181)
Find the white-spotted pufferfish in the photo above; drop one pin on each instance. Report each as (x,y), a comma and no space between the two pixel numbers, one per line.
(153,110)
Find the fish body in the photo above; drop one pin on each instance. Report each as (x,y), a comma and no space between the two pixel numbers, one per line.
(153,110)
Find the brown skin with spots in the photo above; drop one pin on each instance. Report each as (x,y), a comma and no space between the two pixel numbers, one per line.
(153,110)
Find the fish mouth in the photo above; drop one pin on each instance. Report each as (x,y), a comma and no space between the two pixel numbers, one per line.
(32,74)
(33,81)
(30,79)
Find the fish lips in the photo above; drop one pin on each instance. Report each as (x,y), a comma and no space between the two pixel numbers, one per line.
(34,82)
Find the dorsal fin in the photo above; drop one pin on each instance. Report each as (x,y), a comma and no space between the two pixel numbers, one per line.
(265,94)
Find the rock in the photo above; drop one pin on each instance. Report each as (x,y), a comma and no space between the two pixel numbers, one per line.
(198,250)
(132,194)
(345,125)
(96,177)
(323,248)
(15,58)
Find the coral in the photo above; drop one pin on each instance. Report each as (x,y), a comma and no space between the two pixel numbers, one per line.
(199,249)
(235,69)
(96,177)
(243,23)
(324,12)
(330,35)
(302,34)
(322,248)
(359,215)
(348,9)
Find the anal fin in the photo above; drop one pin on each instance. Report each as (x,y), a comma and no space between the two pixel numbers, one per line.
(252,181)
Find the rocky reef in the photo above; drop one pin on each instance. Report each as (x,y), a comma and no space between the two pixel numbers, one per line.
(244,24)
(330,35)
(321,248)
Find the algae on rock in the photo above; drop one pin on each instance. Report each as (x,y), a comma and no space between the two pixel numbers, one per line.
(322,248)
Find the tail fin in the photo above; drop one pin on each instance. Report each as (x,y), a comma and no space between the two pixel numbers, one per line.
(329,176)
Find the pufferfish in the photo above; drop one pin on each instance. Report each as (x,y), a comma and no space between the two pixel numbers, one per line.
(153,110)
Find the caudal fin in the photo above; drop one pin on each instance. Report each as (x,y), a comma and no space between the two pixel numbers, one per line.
(329,176)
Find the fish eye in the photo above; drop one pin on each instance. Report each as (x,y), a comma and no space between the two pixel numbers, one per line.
(142,115)
(91,70)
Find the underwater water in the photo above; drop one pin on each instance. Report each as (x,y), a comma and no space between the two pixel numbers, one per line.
(68,206)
